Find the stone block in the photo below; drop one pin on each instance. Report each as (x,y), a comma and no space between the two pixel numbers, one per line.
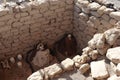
(108,10)
(115,15)
(99,72)
(77,60)
(67,64)
(97,41)
(93,54)
(53,70)
(84,68)
(111,35)
(101,10)
(86,50)
(83,3)
(113,54)
(94,6)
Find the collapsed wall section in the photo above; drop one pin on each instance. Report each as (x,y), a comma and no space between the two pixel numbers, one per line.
(22,26)
(92,17)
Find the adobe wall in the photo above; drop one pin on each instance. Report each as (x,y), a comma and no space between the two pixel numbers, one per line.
(92,17)
(22,26)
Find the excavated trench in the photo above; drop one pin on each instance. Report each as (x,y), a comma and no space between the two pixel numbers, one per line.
(48,21)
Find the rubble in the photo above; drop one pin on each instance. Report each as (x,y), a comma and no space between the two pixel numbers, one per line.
(86,50)
(94,6)
(113,54)
(84,68)
(53,70)
(115,15)
(99,72)
(67,64)
(111,35)
(97,41)
(93,54)
(77,60)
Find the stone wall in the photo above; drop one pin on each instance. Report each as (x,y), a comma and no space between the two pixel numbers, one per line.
(92,17)
(22,26)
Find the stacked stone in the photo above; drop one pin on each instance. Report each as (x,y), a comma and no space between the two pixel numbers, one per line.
(53,70)
(21,26)
(92,16)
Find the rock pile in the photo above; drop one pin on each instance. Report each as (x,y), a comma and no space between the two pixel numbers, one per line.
(100,45)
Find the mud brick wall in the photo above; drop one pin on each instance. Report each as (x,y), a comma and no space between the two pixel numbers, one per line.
(22,26)
(92,17)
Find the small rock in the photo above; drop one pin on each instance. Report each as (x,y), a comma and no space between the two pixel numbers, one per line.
(85,10)
(83,16)
(108,10)
(19,57)
(12,60)
(93,54)
(19,64)
(103,50)
(95,20)
(101,10)
(118,69)
(53,70)
(90,23)
(86,50)
(94,6)
(83,3)
(115,15)
(97,41)
(84,58)
(111,35)
(67,64)
(99,72)
(84,67)
(77,60)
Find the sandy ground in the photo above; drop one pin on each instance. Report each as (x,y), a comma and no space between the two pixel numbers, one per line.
(16,73)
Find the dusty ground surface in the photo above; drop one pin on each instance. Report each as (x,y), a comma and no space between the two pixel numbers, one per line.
(16,73)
